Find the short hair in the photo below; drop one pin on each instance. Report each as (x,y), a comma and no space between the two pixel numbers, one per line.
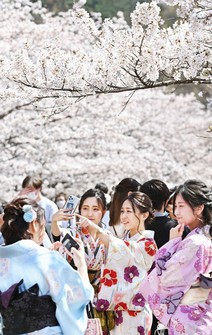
(102,186)
(33,181)
(62,195)
(157,191)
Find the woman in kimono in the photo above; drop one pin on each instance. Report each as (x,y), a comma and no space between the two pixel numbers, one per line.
(178,289)
(127,263)
(39,290)
(92,207)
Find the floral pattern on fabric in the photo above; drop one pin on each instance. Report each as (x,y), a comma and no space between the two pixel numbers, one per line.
(109,277)
(150,248)
(102,305)
(172,301)
(194,313)
(130,272)
(141,330)
(4,266)
(121,307)
(161,262)
(178,326)
(173,291)
(127,264)
(201,261)
(138,300)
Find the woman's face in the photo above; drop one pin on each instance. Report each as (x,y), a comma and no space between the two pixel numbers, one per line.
(131,220)
(92,210)
(185,214)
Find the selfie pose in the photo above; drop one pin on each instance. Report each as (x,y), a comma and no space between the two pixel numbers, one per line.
(178,289)
(127,263)
(92,207)
(39,290)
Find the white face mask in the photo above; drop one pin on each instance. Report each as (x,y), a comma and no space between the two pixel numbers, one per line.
(32,195)
(60,203)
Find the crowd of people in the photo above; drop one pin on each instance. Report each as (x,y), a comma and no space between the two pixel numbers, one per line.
(140,259)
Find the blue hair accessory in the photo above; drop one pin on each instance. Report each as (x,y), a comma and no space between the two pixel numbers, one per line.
(29,213)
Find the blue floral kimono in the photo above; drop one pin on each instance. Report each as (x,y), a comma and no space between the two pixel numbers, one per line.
(55,277)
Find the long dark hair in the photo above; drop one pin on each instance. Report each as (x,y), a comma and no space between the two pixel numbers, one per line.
(15,228)
(196,193)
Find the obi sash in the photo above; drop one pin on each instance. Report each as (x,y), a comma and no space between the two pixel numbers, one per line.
(25,312)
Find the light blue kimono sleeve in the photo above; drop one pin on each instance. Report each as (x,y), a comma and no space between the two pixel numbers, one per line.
(70,294)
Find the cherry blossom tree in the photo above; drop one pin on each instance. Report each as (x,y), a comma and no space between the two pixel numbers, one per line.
(84,101)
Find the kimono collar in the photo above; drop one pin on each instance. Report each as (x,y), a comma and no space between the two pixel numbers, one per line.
(145,234)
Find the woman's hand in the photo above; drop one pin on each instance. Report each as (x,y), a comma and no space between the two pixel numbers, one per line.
(62,215)
(176,231)
(78,256)
(104,239)
(86,223)
(55,245)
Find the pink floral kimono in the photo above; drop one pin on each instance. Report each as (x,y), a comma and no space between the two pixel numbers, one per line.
(174,289)
(126,266)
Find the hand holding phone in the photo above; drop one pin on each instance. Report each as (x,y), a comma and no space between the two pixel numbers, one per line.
(69,242)
(72,203)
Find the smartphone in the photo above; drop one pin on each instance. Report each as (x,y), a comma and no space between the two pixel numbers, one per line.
(69,242)
(72,203)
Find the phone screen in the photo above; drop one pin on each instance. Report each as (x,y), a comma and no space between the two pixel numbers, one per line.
(69,242)
(72,203)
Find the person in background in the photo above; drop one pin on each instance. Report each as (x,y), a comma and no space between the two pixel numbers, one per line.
(179,287)
(103,187)
(1,223)
(32,188)
(60,199)
(159,194)
(121,190)
(39,290)
(169,204)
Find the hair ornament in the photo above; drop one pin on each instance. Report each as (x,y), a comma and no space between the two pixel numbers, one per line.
(29,213)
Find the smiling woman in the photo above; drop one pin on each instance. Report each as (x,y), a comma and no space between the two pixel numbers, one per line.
(179,287)
(126,265)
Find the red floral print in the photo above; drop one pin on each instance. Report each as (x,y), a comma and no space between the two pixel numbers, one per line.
(109,277)
(85,231)
(150,248)
(132,313)
(121,306)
